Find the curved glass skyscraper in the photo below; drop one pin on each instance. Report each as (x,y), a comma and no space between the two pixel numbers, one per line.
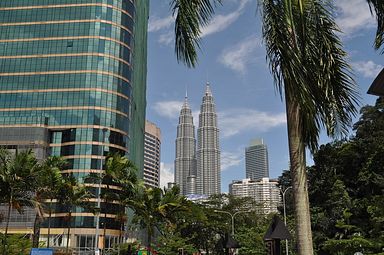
(208,178)
(72,80)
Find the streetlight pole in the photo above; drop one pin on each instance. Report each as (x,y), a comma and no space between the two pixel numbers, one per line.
(232,218)
(97,251)
(285,216)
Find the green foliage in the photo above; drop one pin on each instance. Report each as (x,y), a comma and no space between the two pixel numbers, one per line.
(347,246)
(346,187)
(17,244)
(18,174)
(157,208)
(171,243)
(124,247)
(251,239)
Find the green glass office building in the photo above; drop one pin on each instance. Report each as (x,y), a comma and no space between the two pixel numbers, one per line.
(73,83)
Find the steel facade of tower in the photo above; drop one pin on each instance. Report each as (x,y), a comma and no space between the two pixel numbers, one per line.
(208,177)
(256,160)
(185,161)
(152,142)
(67,77)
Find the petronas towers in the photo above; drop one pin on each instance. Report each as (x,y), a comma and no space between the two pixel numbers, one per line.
(197,171)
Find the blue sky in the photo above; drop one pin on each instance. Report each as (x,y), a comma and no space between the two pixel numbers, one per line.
(232,59)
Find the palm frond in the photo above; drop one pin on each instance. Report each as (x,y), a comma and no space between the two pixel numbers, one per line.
(309,65)
(377,8)
(191,15)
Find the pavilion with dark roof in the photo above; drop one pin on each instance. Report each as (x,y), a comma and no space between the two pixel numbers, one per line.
(377,86)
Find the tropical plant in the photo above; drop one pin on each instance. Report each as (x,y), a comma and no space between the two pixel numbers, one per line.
(48,182)
(346,189)
(119,171)
(72,194)
(155,208)
(120,180)
(17,179)
(309,68)
(377,8)
(17,244)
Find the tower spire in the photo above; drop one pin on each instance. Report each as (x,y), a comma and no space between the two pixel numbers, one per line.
(208,91)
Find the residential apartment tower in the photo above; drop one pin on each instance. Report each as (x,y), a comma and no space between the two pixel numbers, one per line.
(152,144)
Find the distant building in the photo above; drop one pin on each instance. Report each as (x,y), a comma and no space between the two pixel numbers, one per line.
(170,185)
(152,142)
(264,191)
(185,161)
(256,160)
(208,178)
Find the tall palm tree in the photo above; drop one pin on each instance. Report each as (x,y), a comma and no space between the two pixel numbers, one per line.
(72,194)
(119,171)
(309,68)
(49,180)
(17,179)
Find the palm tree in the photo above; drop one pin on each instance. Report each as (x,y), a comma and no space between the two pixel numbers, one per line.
(17,179)
(121,172)
(154,207)
(309,68)
(72,194)
(49,180)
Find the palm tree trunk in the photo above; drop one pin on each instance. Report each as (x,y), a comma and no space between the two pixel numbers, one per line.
(69,230)
(299,177)
(7,226)
(120,235)
(105,227)
(36,231)
(49,223)
(149,239)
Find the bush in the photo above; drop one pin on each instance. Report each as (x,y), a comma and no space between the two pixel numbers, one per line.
(16,244)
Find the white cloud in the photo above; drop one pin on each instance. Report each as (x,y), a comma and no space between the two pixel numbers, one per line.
(230,159)
(218,23)
(166,174)
(221,22)
(353,16)
(156,24)
(166,38)
(169,109)
(240,120)
(368,68)
(239,56)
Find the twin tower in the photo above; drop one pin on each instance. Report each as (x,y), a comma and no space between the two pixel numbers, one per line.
(197,171)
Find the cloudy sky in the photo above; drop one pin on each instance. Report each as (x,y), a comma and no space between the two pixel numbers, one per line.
(232,59)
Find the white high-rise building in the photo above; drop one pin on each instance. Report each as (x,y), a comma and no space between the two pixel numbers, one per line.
(208,179)
(264,191)
(152,142)
(256,160)
(185,161)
